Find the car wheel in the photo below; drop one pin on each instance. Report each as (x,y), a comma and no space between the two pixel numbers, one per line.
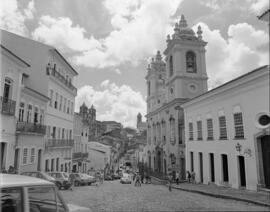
(59,186)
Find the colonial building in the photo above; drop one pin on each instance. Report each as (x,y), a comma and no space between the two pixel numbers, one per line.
(170,84)
(228,133)
(51,76)
(80,162)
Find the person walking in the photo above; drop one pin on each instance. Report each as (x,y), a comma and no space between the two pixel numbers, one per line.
(189,177)
(137,180)
(170,178)
(177,177)
(193,177)
(72,181)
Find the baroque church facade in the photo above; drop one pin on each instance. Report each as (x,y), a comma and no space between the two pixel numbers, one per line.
(170,83)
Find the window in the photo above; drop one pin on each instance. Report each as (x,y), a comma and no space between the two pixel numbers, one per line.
(154,133)
(68,105)
(65,102)
(172,130)
(32,158)
(42,198)
(71,108)
(63,133)
(51,97)
(60,104)
(191,162)
(209,123)
(54,132)
(163,123)
(190,126)
(36,115)
(238,125)
(25,155)
(29,114)
(48,131)
(56,101)
(59,133)
(70,134)
(11,199)
(41,116)
(148,88)
(7,89)
(191,62)
(171,65)
(199,130)
(21,111)
(158,132)
(222,128)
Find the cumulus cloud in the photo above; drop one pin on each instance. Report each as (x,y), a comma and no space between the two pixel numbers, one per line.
(259,6)
(139,28)
(119,103)
(61,33)
(232,57)
(13,19)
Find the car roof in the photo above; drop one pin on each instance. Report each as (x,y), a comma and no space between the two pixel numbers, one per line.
(10,180)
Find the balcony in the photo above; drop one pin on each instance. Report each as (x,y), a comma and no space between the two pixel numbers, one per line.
(61,78)
(79,156)
(7,106)
(59,143)
(24,127)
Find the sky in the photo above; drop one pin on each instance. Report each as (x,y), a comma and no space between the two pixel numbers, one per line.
(110,42)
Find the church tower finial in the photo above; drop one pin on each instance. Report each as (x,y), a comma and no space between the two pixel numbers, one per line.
(199,32)
(158,56)
(183,22)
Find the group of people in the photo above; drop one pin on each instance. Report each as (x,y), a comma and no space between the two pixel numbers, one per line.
(138,179)
(191,177)
(11,170)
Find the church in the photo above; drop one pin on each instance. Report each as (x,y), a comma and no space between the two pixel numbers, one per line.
(171,83)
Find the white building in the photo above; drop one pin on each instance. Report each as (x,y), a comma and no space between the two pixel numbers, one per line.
(53,77)
(227,130)
(169,85)
(80,162)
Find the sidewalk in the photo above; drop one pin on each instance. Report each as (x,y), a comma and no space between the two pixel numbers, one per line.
(256,197)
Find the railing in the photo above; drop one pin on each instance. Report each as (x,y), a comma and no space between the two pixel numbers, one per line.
(7,106)
(80,155)
(59,143)
(61,78)
(30,128)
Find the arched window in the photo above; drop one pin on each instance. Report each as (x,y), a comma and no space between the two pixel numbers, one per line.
(171,65)
(172,130)
(7,89)
(191,62)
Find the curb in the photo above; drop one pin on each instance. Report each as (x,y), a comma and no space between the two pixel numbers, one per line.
(217,195)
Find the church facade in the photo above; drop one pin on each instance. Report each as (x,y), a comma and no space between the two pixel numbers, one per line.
(170,83)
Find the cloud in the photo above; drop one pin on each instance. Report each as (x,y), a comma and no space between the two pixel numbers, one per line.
(234,56)
(119,103)
(139,29)
(13,19)
(117,70)
(61,33)
(259,6)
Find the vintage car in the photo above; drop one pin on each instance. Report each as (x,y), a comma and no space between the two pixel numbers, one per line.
(62,179)
(126,179)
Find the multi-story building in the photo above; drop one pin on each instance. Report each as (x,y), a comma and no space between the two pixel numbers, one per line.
(228,133)
(80,162)
(169,84)
(51,76)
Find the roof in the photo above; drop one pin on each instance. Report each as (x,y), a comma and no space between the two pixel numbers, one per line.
(66,61)
(263,14)
(225,84)
(14,55)
(9,180)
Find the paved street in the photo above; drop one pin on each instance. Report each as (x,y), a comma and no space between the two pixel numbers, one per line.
(113,196)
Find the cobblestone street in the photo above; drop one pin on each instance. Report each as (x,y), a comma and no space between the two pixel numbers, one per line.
(113,196)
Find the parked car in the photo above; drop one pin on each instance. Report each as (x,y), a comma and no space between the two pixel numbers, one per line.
(24,194)
(62,179)
(126,179)
(78,180)
(41,175)
(88,180)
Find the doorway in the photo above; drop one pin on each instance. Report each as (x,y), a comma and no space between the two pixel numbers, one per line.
(183,168)
(224,159)
(39,160)
(212,167)
(16,159)
(3,154)
(201,166)
(165,167)
(265,143)
(159,161)
(242,171)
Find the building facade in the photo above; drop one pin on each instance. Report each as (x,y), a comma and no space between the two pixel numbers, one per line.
(52,76)
(170,84)
(227,133)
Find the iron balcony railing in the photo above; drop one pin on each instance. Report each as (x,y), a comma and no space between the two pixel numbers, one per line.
(59,143)
(7,106)
(25,127)
(61,78)
(79,155)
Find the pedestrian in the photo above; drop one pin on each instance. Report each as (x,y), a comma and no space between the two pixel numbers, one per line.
(137,180)
(142,177)
(188,176)
(72,181)
(193,177)
(11,170)
(177,175)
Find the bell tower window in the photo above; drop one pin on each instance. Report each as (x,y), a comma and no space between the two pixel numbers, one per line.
(191,62)
(171,65)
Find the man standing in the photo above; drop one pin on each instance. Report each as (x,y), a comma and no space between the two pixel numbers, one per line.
(177,175)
